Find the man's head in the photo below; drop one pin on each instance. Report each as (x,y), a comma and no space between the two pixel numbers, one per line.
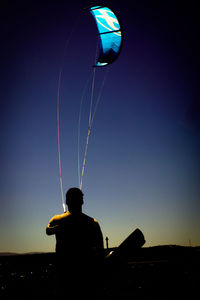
(74,199)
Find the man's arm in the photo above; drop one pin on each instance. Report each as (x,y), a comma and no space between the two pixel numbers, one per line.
(51,229)
(55,223)
(52,226)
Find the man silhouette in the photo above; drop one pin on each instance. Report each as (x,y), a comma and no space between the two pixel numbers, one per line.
(79,248)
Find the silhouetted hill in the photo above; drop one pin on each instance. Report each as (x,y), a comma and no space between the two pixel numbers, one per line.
(145,252)
(8,253)
(161,251)
(160,272)
(15,253)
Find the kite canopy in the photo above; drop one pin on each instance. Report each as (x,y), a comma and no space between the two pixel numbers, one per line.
(110,34)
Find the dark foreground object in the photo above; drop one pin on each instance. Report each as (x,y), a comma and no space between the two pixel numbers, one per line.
(162,272)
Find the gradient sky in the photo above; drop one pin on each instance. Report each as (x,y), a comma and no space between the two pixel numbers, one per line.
(143,163)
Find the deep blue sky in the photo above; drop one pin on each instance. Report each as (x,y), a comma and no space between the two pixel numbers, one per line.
(143,161)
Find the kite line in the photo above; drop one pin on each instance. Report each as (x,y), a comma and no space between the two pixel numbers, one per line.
(58,134)
(79,127)
(92,113)
(110,39)
(58,108)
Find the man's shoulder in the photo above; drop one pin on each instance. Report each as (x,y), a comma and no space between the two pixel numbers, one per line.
(90,219)
(60,217)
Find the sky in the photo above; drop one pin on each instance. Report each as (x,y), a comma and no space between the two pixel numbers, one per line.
(143,162)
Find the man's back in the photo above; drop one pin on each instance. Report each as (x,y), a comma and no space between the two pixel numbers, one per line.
(79,249)
(78,238)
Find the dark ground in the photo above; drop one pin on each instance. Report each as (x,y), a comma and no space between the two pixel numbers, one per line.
(162,272)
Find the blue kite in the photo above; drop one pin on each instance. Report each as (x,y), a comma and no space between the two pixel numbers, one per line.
(110,33)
